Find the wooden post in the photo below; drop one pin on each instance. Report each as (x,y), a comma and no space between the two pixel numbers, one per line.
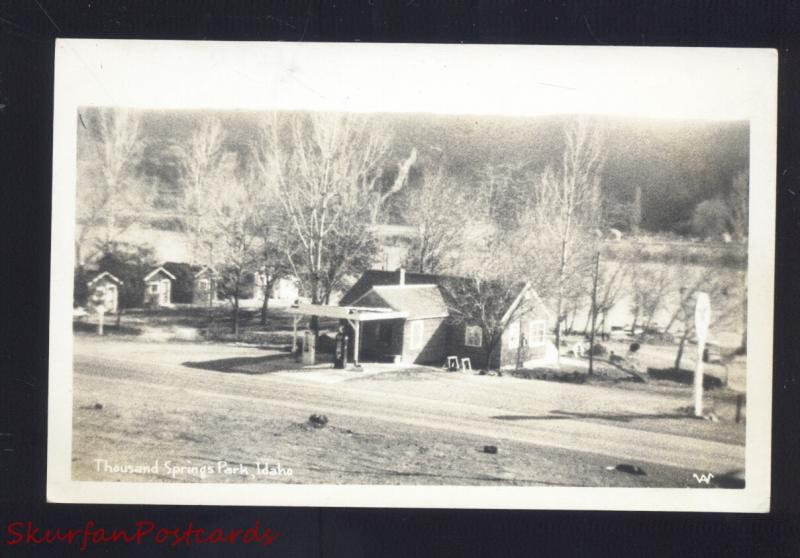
(356,325)
(356,342)
(698,381)
(738,408)
(594,313)
(294,333)
(101,311)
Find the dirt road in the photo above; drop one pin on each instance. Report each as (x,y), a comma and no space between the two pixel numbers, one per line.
(578,422)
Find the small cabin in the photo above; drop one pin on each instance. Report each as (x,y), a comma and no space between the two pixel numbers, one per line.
(158,288)
(105,287)
(204,291)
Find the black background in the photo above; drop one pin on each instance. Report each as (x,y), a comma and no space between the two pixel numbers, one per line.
(27,33)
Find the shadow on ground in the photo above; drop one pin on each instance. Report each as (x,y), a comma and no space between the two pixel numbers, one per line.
(616,417)
(683,376)
(255,365)
(108,328)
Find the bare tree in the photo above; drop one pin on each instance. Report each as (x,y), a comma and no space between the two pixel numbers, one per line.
(111,202)
(502,195)
(720,289)
(274,247)
(485,290)
(564,212)
(328,171)
(650,286)
(220,213)
(199,162)
(438,210)
(233,228)
(613,279)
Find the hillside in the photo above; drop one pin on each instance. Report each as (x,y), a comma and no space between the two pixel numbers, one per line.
(677,164)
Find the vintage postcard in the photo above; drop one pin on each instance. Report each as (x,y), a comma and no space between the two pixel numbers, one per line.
(412,275)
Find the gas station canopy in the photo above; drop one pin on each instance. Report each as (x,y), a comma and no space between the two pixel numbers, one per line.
(351,313)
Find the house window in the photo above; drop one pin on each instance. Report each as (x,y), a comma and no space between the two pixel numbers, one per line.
(473,336)
(202,284)
(537,333)
(513,334)
(153,288)
(416,335)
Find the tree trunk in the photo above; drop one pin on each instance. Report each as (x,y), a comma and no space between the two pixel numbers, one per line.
(681,346)
(313,323)
(571,324)
(558,323)
(603,334)
(588,321)
(235,325)
(489,346)
(265,306)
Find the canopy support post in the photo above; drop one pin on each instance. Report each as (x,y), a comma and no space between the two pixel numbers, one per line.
(294,333)
(356,325)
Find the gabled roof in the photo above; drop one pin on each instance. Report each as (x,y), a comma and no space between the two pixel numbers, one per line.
(205,269)
(106,275)
(418,301)
(182,269)
(159,269)
(375,277)
(448,287)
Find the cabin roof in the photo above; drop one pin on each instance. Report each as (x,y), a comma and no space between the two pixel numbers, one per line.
(104,275)
(156,271)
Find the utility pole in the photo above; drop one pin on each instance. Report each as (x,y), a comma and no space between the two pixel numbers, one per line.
(594,312)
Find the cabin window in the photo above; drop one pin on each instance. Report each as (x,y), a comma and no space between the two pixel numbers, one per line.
(537,333)
(202,284)
(154,288)
(473,336)
(416,335)
(512,334)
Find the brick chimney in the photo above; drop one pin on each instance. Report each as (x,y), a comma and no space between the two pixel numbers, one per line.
(402,276)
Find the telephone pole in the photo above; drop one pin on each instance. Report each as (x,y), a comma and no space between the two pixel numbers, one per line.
(594,312)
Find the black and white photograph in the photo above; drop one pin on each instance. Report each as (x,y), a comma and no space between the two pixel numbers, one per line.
(395,275)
